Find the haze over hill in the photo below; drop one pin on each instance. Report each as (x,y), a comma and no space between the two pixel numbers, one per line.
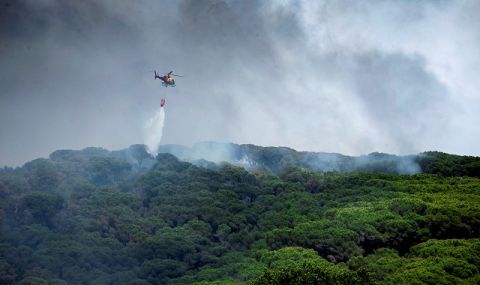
(351,77)
(276,160)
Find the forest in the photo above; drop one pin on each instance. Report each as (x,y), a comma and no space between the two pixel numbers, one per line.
(99,217)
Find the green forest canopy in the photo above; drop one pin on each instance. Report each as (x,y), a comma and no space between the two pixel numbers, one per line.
(98,219)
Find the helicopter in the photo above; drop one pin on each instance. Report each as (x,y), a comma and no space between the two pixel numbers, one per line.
(167,79)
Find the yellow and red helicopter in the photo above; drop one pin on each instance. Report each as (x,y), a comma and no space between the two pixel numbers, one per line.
(167,79)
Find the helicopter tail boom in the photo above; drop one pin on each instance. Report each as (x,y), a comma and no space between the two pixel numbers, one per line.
(156,75)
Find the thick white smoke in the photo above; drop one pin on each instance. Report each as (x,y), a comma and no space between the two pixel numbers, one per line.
(153,131)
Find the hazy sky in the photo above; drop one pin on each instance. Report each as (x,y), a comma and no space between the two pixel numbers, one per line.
(337,76)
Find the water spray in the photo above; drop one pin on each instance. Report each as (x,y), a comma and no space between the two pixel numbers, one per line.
(153,131)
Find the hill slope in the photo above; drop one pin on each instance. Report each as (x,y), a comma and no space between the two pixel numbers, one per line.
(100,217)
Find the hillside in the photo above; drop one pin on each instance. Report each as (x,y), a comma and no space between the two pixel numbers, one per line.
(240,214)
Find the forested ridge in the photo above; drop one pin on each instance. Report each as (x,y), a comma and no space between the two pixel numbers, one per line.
(99,217)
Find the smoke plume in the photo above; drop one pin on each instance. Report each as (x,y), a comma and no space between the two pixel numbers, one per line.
(350,77)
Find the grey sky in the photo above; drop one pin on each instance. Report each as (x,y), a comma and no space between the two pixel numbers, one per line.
(337,76)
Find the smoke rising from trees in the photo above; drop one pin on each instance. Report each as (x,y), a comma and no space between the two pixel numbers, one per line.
(350,77)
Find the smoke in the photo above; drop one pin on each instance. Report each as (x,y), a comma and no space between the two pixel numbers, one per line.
(277,159)
(153,131)
(343,76)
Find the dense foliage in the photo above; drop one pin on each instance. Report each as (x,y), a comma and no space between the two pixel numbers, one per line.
(99,219)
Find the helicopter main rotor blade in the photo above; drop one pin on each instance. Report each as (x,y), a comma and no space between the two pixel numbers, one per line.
(178,75)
